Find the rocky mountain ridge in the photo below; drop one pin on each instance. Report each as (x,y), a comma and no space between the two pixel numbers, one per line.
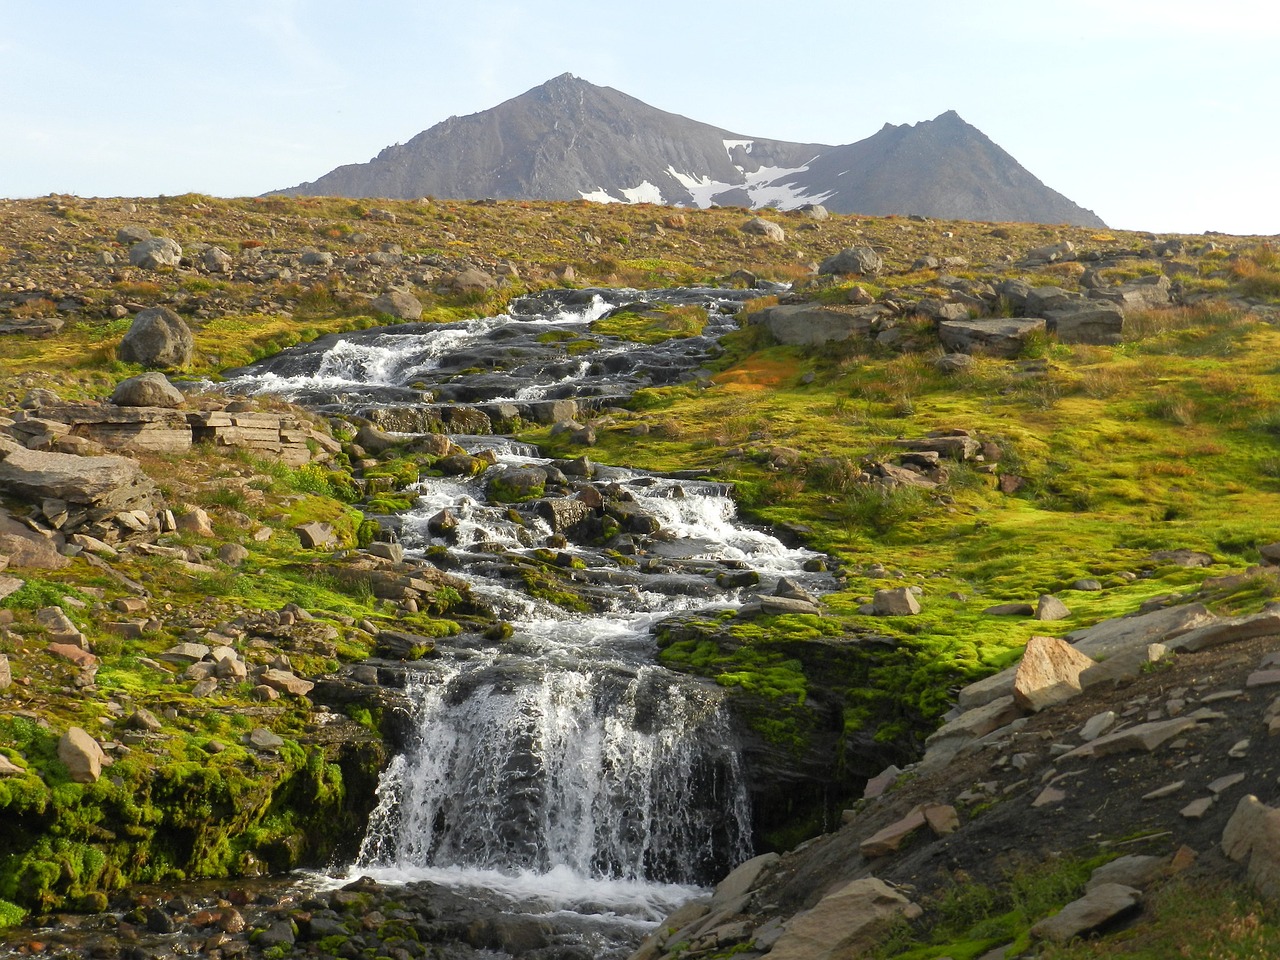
(569,138)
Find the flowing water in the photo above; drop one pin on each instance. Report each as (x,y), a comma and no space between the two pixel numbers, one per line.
(562,769)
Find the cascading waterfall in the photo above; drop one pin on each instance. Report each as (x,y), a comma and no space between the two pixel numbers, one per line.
(563,760)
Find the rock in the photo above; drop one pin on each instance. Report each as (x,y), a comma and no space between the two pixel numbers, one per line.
(132,233)
(1135,870)
(742,878)
(1144,736)
(1111,638)
(1049,673)
(761,227)
(387,551)
(1145,293)
(25,548)
(185,653)
(155,252)
(147,390)
(1103,904)
(1252,838)
(806,324)
(73,652)
(8,768)
(216,260)
(1049,608)
(889,839)
(860,261)
(1196,809)
(472,280)
(1097,725)
(158,337)
(895,602)
(1051,253)
(814,211)
(9,586)
(1233,630)
(1010,610)
(1086,321)
(997,338)
(232,554)
(58,626)
(843,924)
(286,682)
(398,303)
(81,755)
(316,535)
(954,362)
(196,521)
(945,742)
(263,739)
(279,934)
(515,484)
(6,674)
(143,719)
(881,782)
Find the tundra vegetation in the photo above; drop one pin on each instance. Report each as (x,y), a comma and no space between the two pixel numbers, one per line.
(1168,440)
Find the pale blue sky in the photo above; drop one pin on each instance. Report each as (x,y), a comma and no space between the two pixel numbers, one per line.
(1159,115)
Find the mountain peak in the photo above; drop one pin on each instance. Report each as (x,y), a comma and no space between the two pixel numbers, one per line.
(569,139)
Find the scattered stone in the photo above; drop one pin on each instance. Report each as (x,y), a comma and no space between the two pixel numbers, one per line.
(1097,725)
(844,923)
(82,755)
(158,337)
(761,227)
(143,719)
(1087,585)
(1144,736)
(1252,837)
(1105,903)
(1167,790)
(1049,796)
(286,682)
(8,768)
(1010,610)
(1196,809)
(151,389)
(1223,784)
(881,782)
(263,739)
(889,839)
(154,253)
(232,554)
(6,674)
(895,602)
(1049,673)
(997,338)
(316,535)
(1049,607)
(1134,870)
(1239,750)
(859,261)
(400,304)
(58,626)
(1263,678)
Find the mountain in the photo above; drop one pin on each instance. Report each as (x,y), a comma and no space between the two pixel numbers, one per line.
(569,139)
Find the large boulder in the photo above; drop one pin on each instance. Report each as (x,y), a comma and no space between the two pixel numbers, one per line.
(1252,837)
(760,227)
(859,261)
(158,337)
(81,755)
(843,924)
(1049,673)
(398,303)
(999,338)
(806,324)
(155,252)
(1086,321)
(1145,293)
(147,390)
(98,487)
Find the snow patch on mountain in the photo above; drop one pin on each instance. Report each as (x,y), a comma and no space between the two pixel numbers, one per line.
(761,186)
(645,193)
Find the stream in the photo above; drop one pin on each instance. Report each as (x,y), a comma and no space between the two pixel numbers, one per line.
(560,775)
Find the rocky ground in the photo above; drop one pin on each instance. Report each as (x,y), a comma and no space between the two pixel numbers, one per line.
(203,615)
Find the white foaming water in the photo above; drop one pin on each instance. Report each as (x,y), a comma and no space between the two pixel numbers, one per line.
(564,762)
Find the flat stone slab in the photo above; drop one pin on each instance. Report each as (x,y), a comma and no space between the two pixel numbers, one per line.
(1145,736)
(999,337)
(1101,905)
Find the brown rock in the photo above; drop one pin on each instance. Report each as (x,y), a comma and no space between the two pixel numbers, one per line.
(195,520)
(1101,905)
(887,841)
(844,924)
(1252,837)
(77,655)
(81,755)
(286,682)
(1049,673)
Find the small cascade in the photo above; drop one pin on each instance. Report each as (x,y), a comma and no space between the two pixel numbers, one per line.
(562,760)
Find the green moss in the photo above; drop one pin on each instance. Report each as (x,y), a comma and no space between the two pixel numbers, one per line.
(655,325)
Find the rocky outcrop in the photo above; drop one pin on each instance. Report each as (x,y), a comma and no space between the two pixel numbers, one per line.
(998,338)
(807,324)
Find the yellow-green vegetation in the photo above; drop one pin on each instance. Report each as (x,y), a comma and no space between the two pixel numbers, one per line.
(665,322)
(1168,440)
(967,919)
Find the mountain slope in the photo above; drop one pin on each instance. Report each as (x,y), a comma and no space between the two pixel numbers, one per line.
(569,139)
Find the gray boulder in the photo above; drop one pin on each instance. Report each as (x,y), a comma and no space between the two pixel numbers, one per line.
(398,303)
(158,337)
(806,324)
(101,486)
(1145,293)
(132,233)
(999,338)
(1086,321)
(760,227)
(216,260)
(1252,837)
(860,261)
(1101,905)
(147,390)
(154,253)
